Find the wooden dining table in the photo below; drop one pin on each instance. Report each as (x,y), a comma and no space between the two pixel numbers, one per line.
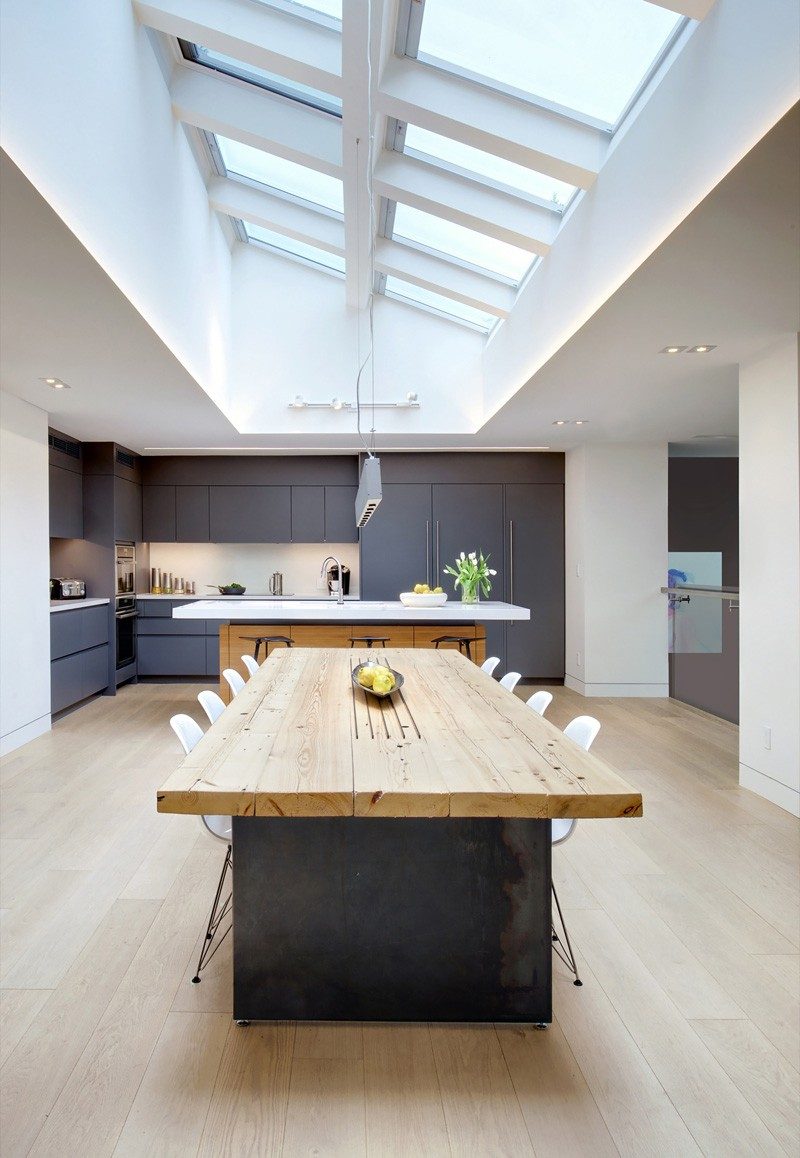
(391,857)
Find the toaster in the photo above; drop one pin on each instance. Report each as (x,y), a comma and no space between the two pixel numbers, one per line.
(67,589)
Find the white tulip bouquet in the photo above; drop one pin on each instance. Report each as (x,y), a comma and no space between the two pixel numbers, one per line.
(472,574)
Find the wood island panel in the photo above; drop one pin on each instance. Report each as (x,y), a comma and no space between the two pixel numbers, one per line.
(300,740)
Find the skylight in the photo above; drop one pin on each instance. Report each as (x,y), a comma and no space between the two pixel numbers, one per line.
(590,56)
(464,245)
(332,9)
(396,288)
(284,176)
(422,143)
(260,77)
(287,245)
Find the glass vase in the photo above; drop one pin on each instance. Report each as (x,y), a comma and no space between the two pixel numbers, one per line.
(470,592)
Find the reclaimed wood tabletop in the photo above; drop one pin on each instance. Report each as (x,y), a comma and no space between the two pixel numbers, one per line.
(301,740)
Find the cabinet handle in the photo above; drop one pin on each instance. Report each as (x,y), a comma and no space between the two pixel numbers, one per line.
(436,584)
(428,552)
(511,560)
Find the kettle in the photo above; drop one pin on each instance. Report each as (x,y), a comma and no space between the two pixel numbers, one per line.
(276,583)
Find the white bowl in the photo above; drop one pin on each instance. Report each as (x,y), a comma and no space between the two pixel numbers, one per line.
(409,599)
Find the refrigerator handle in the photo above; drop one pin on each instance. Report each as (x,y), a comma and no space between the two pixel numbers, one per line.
(436,584)
(511,560)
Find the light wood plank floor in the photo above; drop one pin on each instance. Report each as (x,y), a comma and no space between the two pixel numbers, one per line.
(683,1040)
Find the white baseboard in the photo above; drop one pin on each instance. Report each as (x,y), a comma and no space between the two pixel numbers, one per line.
(13,740)
(650,691)
(772,790)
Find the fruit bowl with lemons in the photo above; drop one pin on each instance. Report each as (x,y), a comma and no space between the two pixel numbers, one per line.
(423,596)
(373,677)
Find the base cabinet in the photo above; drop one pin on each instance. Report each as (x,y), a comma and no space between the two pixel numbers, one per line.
(78,655)
(175,647)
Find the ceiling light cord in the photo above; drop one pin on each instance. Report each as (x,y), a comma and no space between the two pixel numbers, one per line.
(370,356)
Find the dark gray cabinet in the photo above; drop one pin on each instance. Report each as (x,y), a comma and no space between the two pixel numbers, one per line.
(535,578)
(340,514)
(396,542)
(78,654)
(66,503)
(170,647)
(250,514)
(308,514)
(469,517)
(158,514)
(127,510)
(172,655)
(192,516)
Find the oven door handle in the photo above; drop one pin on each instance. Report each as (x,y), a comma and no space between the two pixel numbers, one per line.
(126,614)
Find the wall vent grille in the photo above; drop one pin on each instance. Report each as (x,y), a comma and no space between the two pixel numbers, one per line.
(73,449)
(125,459)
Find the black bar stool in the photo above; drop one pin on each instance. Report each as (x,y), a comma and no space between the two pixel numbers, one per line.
(464,642)
(267,640)
(369,640)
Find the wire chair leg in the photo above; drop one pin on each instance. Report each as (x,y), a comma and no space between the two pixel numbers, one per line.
(218,913)
(567,955)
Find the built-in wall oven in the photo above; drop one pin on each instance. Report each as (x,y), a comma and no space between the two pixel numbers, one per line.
(126,630)
(126,568)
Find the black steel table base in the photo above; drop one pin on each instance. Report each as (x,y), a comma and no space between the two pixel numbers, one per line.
(355,919)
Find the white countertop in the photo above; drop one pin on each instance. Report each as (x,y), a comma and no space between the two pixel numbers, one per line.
(244,610)
(74,604)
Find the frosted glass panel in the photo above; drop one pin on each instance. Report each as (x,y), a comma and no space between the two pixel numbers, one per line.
(696,626)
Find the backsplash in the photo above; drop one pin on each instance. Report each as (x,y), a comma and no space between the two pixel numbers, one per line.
(251,564)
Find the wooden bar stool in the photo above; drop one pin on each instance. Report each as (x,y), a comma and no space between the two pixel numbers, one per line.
(464,642)
(368,640)
(267,640)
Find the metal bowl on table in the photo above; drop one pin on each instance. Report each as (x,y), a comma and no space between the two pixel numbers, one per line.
(398,680)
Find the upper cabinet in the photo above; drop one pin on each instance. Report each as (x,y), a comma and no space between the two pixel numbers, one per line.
(340,515)
(127,510)
(66,504)
(308,514)
(66,487)
(250,514)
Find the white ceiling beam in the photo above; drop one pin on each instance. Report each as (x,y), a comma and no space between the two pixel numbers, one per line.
(272,212)
(443,277)
(360,35)
(299,50)
(559,146)
(696,9)
(254,117)
(470,203)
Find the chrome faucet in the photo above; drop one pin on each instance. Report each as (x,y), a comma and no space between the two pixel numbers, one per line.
(323,573)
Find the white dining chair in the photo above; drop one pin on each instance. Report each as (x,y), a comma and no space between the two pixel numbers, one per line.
(583,730)
(212,704)
(510,680)
(540,702)
(234,680)
(250,663)
(189,732)
(490,664)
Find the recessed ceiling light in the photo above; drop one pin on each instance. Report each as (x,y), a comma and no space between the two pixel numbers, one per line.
(561,422)
(700,349)
(581,421)
(56,384)
(673,350)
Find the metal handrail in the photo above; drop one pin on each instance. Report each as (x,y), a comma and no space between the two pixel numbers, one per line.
(684,593)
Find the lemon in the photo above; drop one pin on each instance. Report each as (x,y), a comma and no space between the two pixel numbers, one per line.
(438,591)
(419,588)
(367,675)
(383,682)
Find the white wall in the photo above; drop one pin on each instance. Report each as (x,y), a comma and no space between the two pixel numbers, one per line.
(769,574)
(24,573)
(616,563)
(252,564)
(94,132)
(293,334)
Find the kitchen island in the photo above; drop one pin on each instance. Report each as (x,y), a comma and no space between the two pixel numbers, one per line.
(391,857)
(327,623)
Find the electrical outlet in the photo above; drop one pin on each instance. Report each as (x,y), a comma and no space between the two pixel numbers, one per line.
(766,737)
(578,659)
(578,570)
